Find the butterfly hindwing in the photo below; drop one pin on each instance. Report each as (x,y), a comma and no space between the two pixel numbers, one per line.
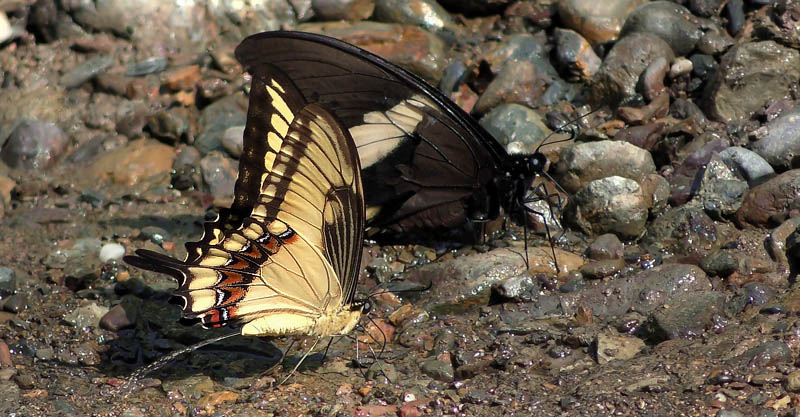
(294,257)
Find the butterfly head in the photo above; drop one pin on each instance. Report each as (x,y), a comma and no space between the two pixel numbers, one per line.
(526,166)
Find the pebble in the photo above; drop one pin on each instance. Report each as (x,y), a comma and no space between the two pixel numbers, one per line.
(5,355)
(16,303)
(720,192)
(216,118)
(688,315)
(652,79)
(720,263)
(769,353)
(86,70)
(343,10)
(8,281)
(583,163)
(427,14)
(624,64)
(602,269)
(45,354)
(219,175)
(517,82)
(605,247)
(34,144)
(88,315)
(597,22)
(171,125)
(767,203)
(779,140)
(681,66)
(617,347)
(669,21)
(519,289)
(438,370)
(575,55)
(688,231)
(111,252)
(233,141)
(749,75)
(133,163)
(747,164)
(6,31)
(516,126)
(611,205)
(148,66)
(522,48)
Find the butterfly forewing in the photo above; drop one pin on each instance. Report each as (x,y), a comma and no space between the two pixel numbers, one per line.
(292,259)
(421,155)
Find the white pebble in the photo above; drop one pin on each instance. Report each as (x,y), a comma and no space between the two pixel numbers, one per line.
(111,252)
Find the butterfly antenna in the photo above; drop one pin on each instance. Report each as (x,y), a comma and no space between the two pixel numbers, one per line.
(132,380)
(561,129)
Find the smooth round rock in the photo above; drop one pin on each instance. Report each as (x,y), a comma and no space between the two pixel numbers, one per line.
(779,140)
(111,252)
(582,163)
(604,247)
(34,144)
(598,22)
(669,21)
(611,205)
(772,201)
(575,55)
(516,127)
(747,164)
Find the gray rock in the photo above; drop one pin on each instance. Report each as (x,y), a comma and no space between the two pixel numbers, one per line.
(598,22)
(233,141)
(602,269)
(604,247)
(117,318)
(575,55)
(583,163)
(16,303)
(779,140)
(45,353)
(86,70)
(749,75)
(154,234)
(88,315)
(720,192)
(523,47)
(34,144)
(769,353)
(720,263)
(427,14)
(518,128)
(610,205)
(669,21)
(753,293)
(516,82)
(612,346)
(343,10)
(171,125)
(521,288)
(8,281)
(747,164)
(438,370)
(625,63)
(152,65)
(688,315)
(216,118)
(219,175)
(688,232)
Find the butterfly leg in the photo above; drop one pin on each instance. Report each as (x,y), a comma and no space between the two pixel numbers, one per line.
(284,352)
(300,362)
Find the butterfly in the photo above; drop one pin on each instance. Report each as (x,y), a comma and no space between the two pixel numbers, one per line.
(428,167)
(284,259)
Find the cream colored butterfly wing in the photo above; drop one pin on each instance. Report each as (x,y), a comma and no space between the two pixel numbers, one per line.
(284,258)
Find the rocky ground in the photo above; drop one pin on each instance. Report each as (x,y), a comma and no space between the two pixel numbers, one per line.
(120,126)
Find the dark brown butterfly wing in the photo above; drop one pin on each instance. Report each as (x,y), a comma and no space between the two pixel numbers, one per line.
(426,163)
(297,250)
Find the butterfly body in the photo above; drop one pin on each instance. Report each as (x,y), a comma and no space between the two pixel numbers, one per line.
(428,167)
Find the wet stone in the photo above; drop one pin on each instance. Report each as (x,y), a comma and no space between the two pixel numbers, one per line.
(117,318)
(5,355)
(749,75)
(343,10)
(602,269)
(8,281)
(793,381)
(219,175)
(517,82)
(626,61)
(45,354)
(720,192)
(152,65)
(438,370)
(171,125)
(16,303)
(747,164)
(729,413)
(772,201)
(520,289)
(154,234)
(585,162)
(25,381)
(522,47)
(88,315)
(34,144)
(669,21)
(779,140)
(87,355)
(617,347)
(518,127)
(597,22)
(720,263)
(86,70)
(427,14)
(611,205)
(688,315)
(688,231)
(652,79)
(575,55)
(604,247)
(770,353)
(133,163)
